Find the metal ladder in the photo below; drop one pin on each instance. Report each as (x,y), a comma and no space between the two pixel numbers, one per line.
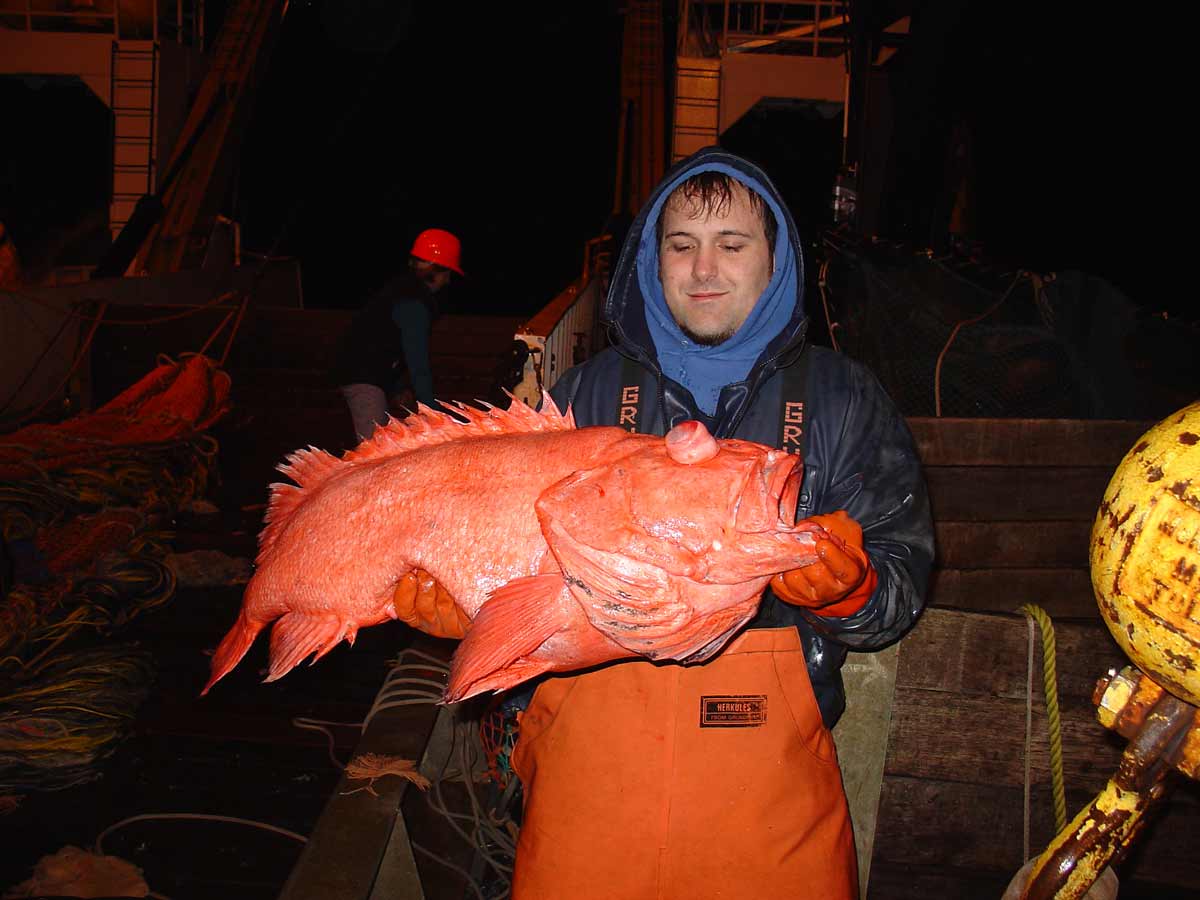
(135,127)
(194,181)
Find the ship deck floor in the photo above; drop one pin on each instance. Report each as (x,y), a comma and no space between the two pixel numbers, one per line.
(233,753)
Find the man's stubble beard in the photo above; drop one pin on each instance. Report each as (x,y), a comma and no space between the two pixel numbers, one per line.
(706,340)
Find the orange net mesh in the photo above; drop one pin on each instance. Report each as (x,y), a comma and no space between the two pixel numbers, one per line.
(175,401)
(498,730)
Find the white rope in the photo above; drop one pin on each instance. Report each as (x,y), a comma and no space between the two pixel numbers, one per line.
(198,816)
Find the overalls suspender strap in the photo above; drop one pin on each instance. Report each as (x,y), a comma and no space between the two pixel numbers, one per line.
(792,396)
(629,395)
(790,436)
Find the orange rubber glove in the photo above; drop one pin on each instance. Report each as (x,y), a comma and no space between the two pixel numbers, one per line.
(842,579)
(423,603)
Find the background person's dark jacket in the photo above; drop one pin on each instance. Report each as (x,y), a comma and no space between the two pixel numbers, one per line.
(372,346)
(858,455)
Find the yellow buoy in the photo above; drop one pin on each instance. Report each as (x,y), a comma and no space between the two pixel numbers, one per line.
(1145,554)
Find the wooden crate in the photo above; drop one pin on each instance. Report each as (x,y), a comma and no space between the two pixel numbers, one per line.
(1013,503)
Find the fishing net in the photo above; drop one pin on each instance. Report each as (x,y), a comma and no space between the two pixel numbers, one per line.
(38,620)
(84,511)
(55,727)
(174,402)
(953,337)
(498,730)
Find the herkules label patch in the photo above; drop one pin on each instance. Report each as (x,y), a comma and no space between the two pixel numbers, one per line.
(733,711)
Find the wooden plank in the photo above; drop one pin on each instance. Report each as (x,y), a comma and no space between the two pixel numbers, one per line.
(1012,545)
(964,826)
(1024,442)
(952,799)
(1015,494)
(398,877)
(982,740)
(959,709)
(1063,593)
(901,881)
(976,829)
(344,854)
(975,654)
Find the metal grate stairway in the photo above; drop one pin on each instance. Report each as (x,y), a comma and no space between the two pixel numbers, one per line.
(134,97)
(729,55)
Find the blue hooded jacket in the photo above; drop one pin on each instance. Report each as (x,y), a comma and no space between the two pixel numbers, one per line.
(858,452)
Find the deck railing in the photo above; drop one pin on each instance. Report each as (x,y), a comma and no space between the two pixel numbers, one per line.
(799,27)
(566,332)
(180,21)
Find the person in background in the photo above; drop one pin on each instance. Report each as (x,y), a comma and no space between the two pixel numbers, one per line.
(393,326)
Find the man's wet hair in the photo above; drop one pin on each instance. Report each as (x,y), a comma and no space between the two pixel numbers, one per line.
(712,193)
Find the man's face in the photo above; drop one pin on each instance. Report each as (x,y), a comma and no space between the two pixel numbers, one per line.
(713,268)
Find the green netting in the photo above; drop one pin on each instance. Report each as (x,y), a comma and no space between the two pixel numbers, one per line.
(959,340)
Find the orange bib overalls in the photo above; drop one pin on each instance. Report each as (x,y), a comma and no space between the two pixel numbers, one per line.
(669,782)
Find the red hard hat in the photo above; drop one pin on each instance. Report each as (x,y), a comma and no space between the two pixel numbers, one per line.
(437,246)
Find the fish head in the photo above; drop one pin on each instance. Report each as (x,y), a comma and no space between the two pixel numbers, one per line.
(679,527)
(682,502)
(736,487)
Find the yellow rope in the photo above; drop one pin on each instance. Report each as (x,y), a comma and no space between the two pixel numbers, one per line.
(1053,722)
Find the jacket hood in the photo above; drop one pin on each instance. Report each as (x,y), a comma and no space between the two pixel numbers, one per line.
(643,326)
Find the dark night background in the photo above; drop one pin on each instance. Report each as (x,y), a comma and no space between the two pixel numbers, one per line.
(379,118)
(382,118)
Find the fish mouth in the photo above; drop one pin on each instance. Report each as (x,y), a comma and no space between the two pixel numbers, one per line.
(768,494)
(784,477)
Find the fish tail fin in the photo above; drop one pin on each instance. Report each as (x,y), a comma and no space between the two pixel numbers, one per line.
(515,621)
(231,649)
(296,636)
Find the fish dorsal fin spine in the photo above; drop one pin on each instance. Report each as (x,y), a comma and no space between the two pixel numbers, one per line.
(427,426)
(310,467)
(307,468)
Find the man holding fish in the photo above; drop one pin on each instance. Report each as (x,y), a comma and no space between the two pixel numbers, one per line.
(646,780)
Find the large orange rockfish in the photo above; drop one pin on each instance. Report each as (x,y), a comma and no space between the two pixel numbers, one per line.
(565,547)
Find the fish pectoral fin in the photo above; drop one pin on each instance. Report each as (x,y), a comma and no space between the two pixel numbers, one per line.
(502,679)
(296,636)
(513,622)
